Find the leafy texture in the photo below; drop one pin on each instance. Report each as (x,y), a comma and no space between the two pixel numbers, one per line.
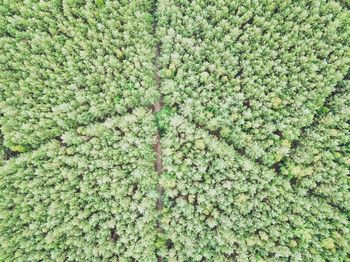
(256,156)
(78,181)
(72,63)
(88,197)
(254,73)
(174,130)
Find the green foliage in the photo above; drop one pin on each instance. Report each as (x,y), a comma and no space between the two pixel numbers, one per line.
(279,61)
(90,200)
(254,130)
(163,119)
(64,65)
(19,148)
(99,2)
(259,141)
(77,178)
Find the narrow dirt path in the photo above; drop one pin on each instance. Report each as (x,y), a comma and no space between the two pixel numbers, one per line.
(157,147)
(157,106)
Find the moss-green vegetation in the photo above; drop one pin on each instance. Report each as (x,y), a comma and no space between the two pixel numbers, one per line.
(69,63)
(89,196)
(247,158)
(259,143)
